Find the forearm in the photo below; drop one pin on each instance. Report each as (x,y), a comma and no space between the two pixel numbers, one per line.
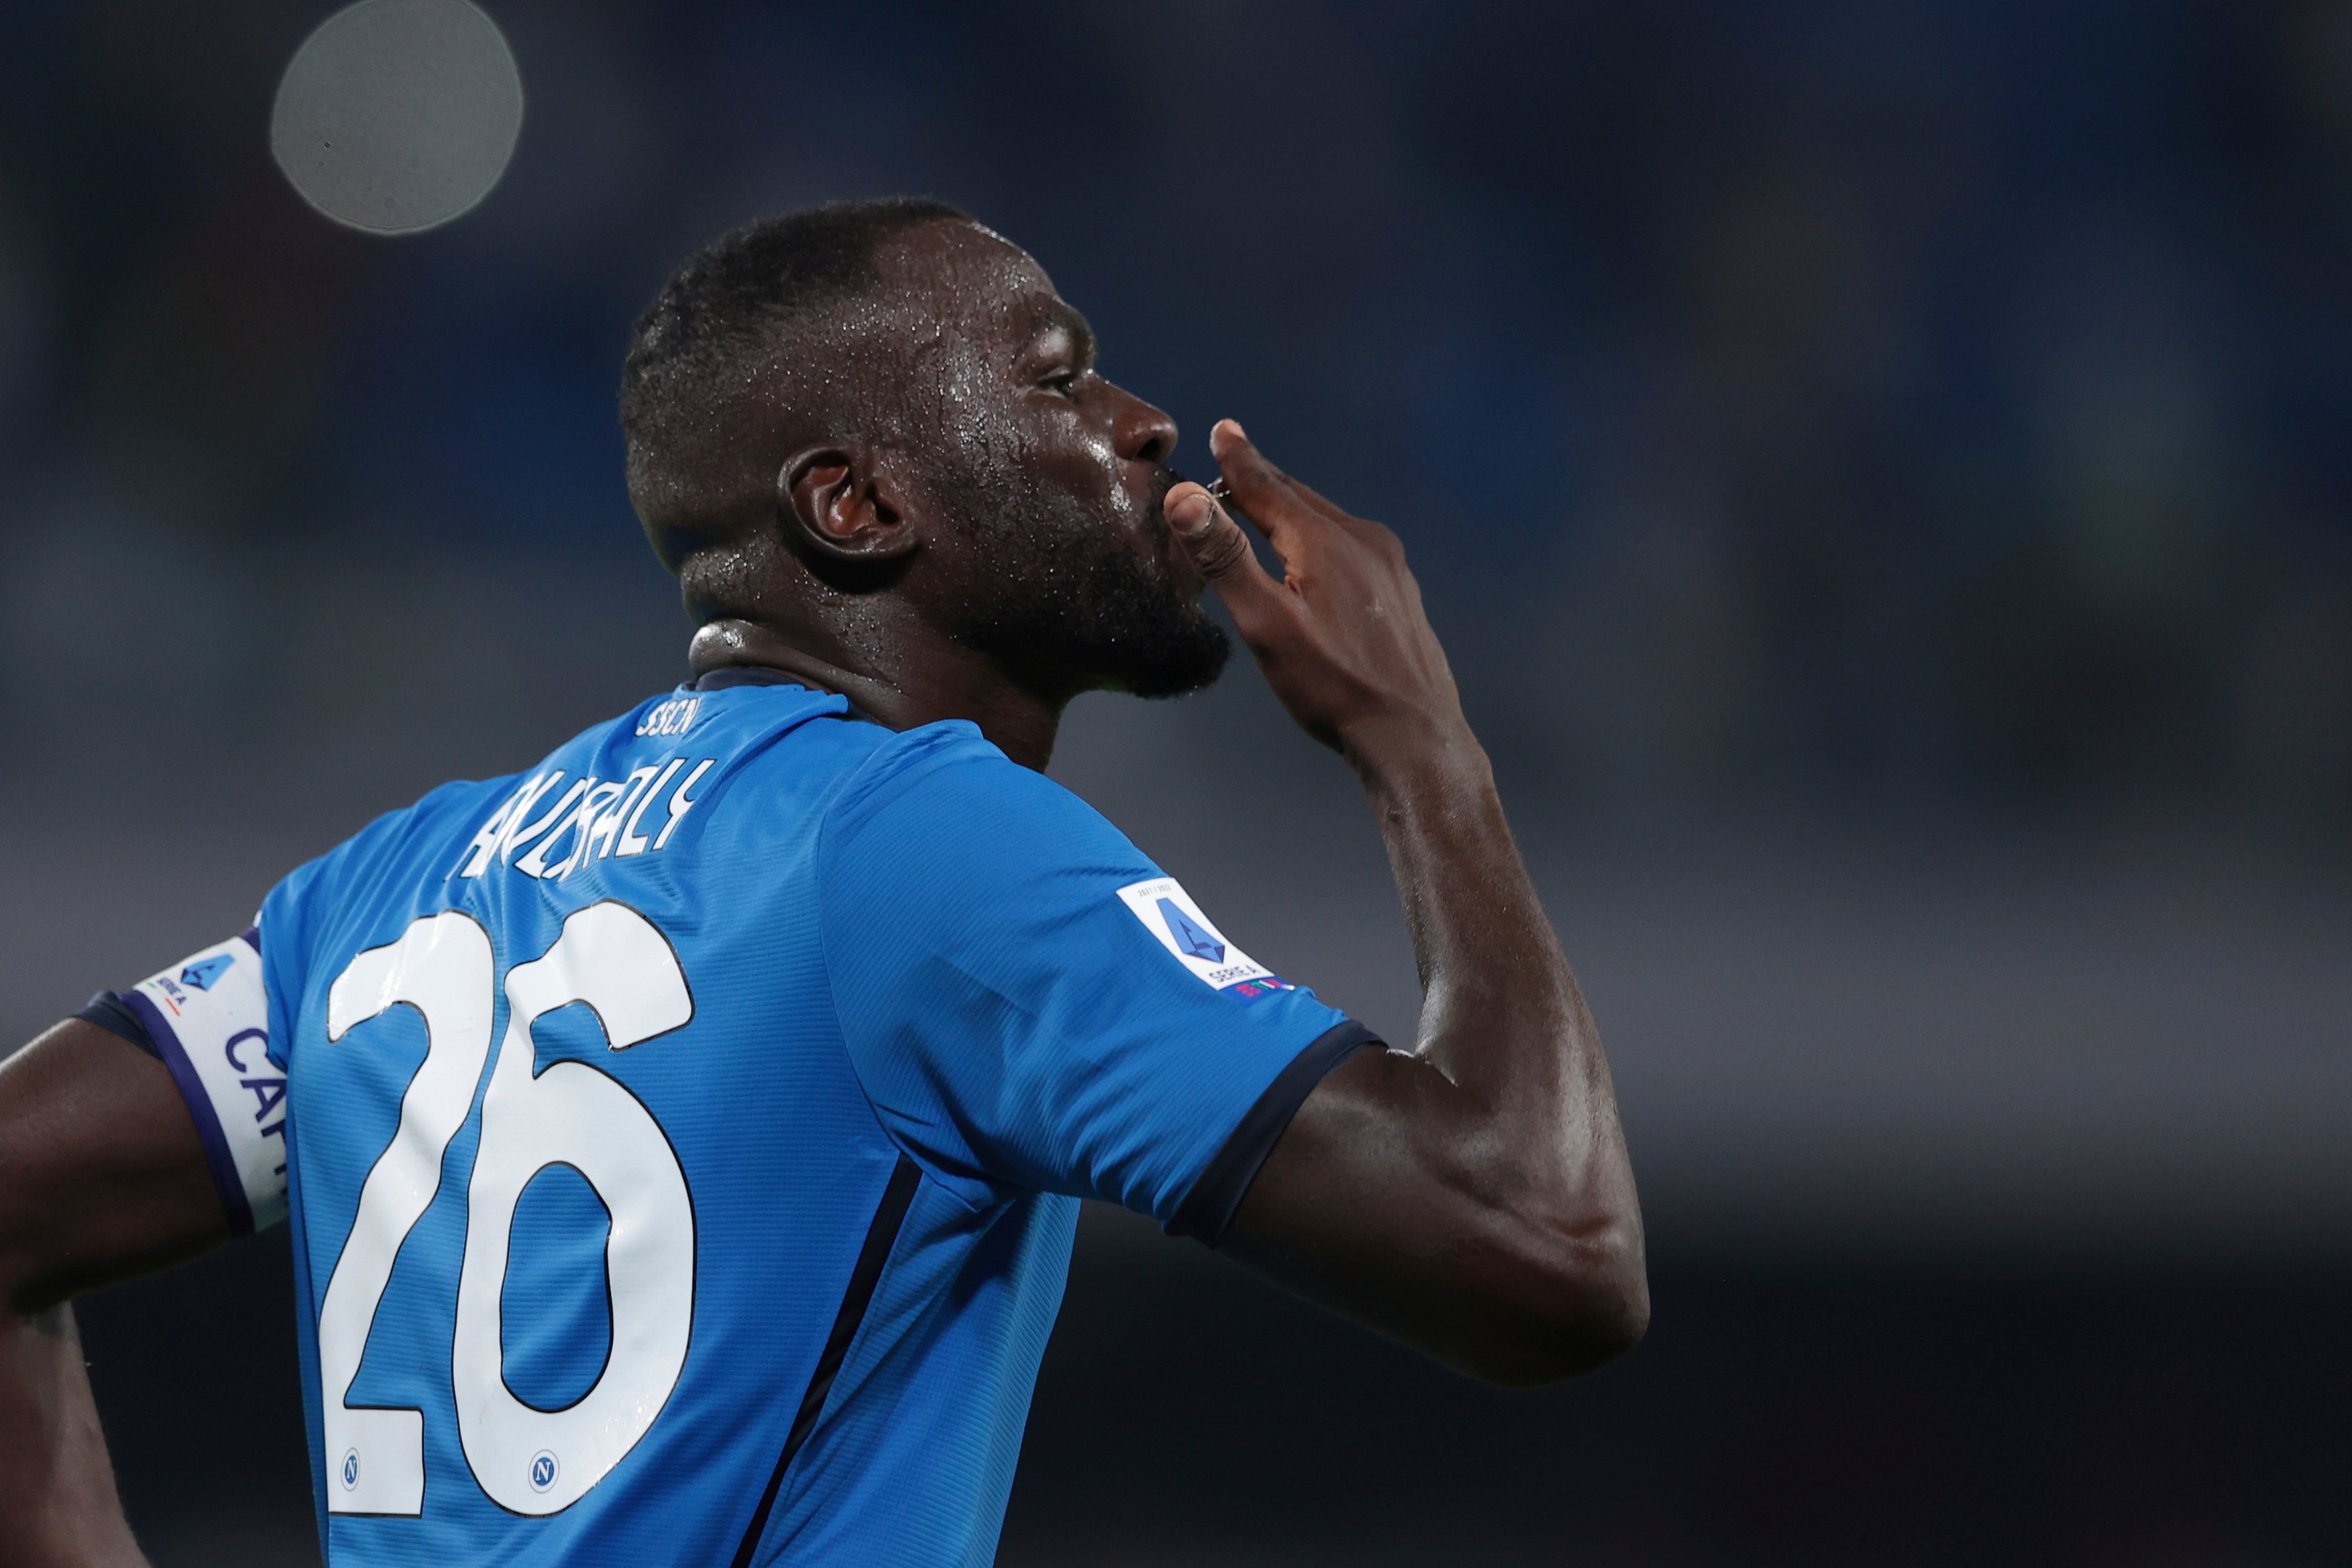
(58,1502)
(1500,1008)
(102,1177)
(1471,1196)
(1531,1123)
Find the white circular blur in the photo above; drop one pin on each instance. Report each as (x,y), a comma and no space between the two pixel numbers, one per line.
(398,115)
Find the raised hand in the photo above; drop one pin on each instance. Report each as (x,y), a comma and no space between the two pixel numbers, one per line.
(1471,1195)
(1341,635)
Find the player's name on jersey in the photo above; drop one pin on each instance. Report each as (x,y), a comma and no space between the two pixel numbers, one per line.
(595,818)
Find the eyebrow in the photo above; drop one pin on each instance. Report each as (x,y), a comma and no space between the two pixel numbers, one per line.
(1066,316)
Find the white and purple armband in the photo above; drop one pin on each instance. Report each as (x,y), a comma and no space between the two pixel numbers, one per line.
(208,1019)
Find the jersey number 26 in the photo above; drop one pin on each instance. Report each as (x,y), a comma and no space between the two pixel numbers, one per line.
(528,1460)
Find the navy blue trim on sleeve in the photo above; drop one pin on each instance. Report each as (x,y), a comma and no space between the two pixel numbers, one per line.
(1208,1208)
(113,1014)
(234,1203)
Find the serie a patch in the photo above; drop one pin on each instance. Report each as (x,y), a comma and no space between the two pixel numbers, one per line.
(209,1017)
(1169,913)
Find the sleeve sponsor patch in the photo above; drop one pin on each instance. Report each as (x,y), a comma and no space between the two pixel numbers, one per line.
(1169,915)
(209,1015)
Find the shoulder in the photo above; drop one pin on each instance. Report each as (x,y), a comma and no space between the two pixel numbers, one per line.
(299,910)
(383,840)
(947,781)
(429,817)
(942,840)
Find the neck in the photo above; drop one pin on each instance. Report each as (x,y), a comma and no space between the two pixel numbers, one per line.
(937,682)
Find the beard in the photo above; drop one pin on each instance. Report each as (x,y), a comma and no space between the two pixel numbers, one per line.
(1074,605)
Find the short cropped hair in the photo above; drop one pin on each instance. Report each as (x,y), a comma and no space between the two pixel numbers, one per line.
(751,307)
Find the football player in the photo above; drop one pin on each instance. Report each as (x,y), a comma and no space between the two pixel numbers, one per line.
(682,1139)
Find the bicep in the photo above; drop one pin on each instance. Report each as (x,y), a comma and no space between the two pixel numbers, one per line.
(103,1176)
(1352,1196)
(1378,1202)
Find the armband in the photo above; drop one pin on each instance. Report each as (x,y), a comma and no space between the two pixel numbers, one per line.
(209,1017)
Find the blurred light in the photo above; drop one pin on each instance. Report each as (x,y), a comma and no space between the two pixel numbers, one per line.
(396,116)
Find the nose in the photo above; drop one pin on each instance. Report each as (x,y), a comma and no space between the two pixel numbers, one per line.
(1141,432)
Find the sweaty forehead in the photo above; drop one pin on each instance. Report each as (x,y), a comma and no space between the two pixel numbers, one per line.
(963,275)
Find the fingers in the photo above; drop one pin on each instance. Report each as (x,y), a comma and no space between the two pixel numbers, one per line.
(1256,484)
(1315,498)
(1220,551)
(1260,487)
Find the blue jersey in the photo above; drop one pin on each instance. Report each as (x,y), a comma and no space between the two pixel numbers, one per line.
(682,1141)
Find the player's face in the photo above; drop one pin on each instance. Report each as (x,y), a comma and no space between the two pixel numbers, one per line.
(1061,557)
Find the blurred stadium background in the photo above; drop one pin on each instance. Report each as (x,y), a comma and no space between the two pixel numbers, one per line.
(1882,469)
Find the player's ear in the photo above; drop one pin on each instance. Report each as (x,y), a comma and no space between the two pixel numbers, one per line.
(841,502)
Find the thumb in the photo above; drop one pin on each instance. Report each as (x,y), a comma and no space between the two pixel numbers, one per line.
(1218,548)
